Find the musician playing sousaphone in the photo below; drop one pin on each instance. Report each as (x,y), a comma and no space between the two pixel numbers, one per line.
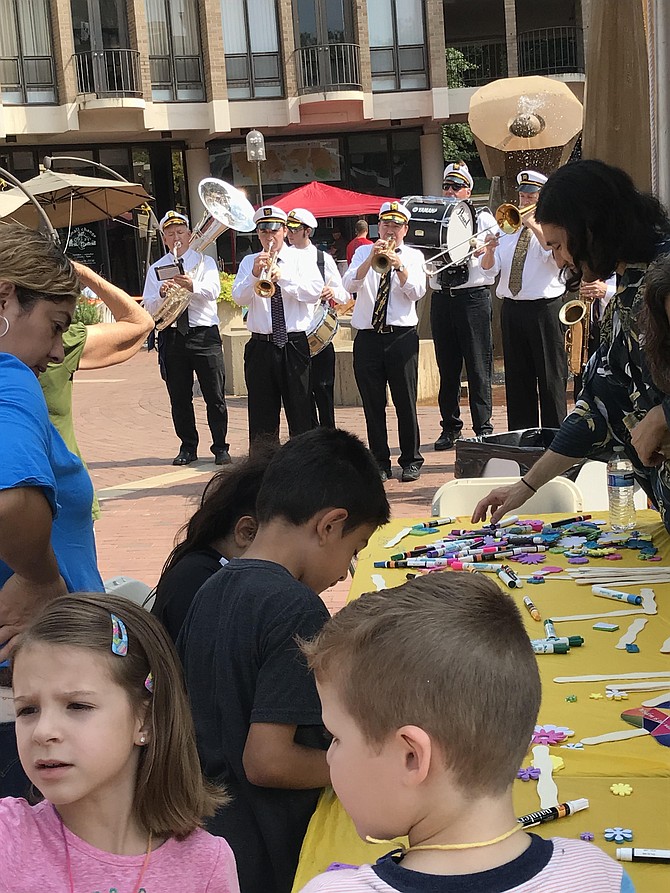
(192,343)
(531,288)
(281,302)
(301,225)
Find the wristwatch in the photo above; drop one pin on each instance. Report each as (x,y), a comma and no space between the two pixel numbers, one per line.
(401,268)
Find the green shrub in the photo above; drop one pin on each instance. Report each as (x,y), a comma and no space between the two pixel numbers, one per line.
(87,311)
(226,295)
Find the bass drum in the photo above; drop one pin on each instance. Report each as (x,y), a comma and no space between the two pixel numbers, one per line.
(439,223)
(323,329)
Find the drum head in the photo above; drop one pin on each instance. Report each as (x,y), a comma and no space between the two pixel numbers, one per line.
(460,229)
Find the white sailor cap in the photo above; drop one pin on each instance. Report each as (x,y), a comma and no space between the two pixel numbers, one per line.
(530,181)
(174,218)
(301,217)
(458,173)
(395,211)
(270,217)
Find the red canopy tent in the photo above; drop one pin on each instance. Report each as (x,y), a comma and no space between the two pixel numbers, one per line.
(329,201)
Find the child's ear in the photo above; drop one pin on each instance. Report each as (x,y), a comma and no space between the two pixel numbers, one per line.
(330,522)
(245,531)
(416,752)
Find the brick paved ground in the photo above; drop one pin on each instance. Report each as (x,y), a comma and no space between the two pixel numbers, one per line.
(124,429)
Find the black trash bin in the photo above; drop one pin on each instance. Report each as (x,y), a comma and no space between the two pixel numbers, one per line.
(524,447)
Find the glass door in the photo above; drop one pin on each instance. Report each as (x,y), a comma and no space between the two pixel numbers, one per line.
(100,30)
(324,32)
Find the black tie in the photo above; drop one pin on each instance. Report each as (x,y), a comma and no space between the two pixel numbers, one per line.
(182,322)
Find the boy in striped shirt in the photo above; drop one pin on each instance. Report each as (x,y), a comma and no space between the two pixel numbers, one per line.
(431,692)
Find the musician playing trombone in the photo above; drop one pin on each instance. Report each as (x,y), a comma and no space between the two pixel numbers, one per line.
(531,288)
(281,304)
(389,279)
(460,320)
(192,343)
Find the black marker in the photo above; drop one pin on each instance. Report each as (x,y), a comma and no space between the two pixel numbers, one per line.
(625,854)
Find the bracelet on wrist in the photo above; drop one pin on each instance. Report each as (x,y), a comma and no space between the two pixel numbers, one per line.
(530,486)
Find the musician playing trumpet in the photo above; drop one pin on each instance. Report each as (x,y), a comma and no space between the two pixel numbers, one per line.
(531,289)
(192,344)
(276,357)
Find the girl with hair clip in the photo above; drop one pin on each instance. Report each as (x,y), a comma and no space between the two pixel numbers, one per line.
(223,527)
(105,734)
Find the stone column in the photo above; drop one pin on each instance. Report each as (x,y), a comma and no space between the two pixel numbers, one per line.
(213,58)
(63,49)
(362,38)
(197,168)
(434,37)
(138,33)
(432,159)
(511,39)
(285,25)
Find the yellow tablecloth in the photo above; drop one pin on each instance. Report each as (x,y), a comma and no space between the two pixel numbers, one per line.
(641,762)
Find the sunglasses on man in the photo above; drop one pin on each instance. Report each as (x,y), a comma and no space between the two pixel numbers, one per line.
(453,186)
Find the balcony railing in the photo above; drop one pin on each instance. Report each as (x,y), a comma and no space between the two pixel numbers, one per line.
(551,51)
(476,64)
(334,66)
(176,78)
(27,80)
(109,73)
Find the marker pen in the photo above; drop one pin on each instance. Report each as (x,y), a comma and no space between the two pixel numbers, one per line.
(570,641)
(626,854)
(550,629)
(507,522)
(549,646)
(532,610)
(471,566)
(604,592)
(574,520)
(509,579)
(438,522)
(554,812)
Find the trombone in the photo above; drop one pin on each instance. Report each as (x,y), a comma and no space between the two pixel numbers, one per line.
(509,219)
(265,287)
(381,262)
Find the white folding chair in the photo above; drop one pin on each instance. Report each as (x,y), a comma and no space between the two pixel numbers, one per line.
(127,587)
(459,497)
(592,481)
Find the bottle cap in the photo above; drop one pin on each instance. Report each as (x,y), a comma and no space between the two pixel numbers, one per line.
(624,854)
(576,641)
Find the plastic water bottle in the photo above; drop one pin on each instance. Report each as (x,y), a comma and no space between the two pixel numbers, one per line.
(620,491)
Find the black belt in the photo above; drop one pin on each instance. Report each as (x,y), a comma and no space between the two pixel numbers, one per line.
(390,330)
(454,292)
(292,336)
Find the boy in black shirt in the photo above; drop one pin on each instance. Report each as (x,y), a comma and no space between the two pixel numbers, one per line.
(257,713)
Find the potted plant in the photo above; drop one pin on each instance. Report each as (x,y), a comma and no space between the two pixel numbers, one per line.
(230,313)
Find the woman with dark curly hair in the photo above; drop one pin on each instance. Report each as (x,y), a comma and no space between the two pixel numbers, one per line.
(596,223)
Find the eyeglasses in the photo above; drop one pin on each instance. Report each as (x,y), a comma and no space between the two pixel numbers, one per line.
(453,186)
(269,226)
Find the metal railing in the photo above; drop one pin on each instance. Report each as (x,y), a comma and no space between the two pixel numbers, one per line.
(180,76)
(476,64)
(109,73)
(334,66)
(27,77)
(551,51)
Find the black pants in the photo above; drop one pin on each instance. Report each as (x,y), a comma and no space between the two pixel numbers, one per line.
(323,388)
(198,351)
(391,359)
(460,321)
(535,363)
(276,375)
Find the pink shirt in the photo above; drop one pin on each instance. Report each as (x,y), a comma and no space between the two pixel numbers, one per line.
(32,859)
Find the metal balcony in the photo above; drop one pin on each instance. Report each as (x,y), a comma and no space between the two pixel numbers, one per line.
(326,67)
(476,64)
(551,51)
(109,73)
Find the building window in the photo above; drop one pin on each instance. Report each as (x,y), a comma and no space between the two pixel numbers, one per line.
(251,45)
(174,51)
(26,53)
(397,45)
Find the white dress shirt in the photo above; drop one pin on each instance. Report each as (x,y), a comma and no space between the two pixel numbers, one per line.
(402,298)
(301,293)
(541,274)
(202,310)
(477,277)
(305,259)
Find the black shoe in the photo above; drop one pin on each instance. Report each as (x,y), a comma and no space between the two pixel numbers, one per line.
(385,474)
(411,473)
(184,458)
(222,457)
(446,441)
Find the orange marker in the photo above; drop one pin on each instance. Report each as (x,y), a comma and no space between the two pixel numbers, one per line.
(532,610)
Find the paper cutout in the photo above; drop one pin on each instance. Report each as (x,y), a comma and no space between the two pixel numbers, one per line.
(379,581)
(546,786)
(611,676)
(621,735)
(665,647)
(653,720)
(630,635)
(398,537)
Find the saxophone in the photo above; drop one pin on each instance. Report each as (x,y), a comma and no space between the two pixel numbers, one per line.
(576,315)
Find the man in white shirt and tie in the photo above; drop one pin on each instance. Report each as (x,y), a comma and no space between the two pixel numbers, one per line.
(276,357)
(301,224)
(531,287)
(192,343)
(386,347)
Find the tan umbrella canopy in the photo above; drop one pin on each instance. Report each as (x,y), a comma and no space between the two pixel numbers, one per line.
(9,203)
(528,122)
(72,200)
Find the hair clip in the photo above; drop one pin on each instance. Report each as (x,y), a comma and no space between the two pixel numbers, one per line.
(149,683)
(119,636)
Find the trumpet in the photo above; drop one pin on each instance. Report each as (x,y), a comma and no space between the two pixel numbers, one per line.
(576,315)
(510,218)
(265,287)
(381,263)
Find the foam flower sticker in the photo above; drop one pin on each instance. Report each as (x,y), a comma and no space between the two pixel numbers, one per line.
(596,696)
(618,835)
(588,836)
(572,542)
(530,558)
(621,790)
(617,695)
(528,773)
(551,734)
(577,745)
(578,559)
